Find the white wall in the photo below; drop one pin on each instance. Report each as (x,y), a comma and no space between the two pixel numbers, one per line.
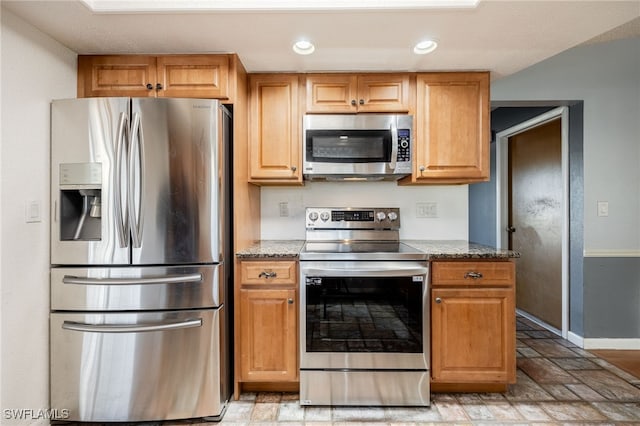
(35,69)
(607,77)
(452,207)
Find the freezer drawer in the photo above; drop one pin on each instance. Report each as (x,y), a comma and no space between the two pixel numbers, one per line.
(116,367)
(136,288)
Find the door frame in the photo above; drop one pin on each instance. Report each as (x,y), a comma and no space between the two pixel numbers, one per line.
(502,193)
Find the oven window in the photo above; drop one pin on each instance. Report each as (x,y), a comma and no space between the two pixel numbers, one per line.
(349,146)
(364,314)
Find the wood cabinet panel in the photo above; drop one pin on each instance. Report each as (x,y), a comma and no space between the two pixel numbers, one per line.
(185,76)
(268,335)
(452,128)
(383,93)
(193,76)
(129,75)
(268,272)
(274,129)
(473,273)
(473,335)
(352,93)
(331,93)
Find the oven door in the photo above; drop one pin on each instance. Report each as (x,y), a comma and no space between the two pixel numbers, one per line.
(364,315)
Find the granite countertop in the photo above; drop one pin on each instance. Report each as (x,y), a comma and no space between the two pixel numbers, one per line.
(435,249)
(271,249)
(459,249)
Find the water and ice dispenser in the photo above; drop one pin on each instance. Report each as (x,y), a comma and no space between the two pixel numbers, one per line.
(80,201)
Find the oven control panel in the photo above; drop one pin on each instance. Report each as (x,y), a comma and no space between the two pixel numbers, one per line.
(352,218)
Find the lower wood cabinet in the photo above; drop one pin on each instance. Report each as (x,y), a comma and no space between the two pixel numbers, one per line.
(268,335)
(266,327)
(473,325)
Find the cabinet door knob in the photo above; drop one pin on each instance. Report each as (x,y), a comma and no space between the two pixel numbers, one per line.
(267,274)
(158,86)
(473,275)
(353,102)
(294,168)
(438,300)
(149,86)
(361,101)
(290,301)
(511,229)
(421,168)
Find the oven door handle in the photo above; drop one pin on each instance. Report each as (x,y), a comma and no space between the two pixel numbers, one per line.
(368,272)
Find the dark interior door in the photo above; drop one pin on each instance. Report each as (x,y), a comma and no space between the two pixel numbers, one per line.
(535,216)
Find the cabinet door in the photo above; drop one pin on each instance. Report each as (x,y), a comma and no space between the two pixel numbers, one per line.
(126,75)
(193,76)
(268,335)
(383,93)
(452,127)
(274,129)
(332,93)
(473,335)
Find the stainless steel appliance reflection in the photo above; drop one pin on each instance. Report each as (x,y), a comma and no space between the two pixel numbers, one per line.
(139,250)
(364,329)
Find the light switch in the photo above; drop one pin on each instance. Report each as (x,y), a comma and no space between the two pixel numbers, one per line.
(33,211)
(603,208)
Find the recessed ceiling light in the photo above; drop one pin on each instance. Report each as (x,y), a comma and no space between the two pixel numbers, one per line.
(424,47)
(303,47)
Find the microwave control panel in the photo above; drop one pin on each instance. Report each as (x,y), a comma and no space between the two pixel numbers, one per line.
(404,146)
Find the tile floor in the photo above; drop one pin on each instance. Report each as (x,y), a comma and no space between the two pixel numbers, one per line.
(558,383)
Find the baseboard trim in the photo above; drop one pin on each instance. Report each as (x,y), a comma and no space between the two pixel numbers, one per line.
(619,344)
(575,339)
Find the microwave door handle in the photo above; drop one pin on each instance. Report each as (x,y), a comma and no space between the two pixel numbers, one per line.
(394,145)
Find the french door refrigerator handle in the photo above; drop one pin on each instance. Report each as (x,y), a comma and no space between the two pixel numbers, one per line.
(130,328)
(169,279)
(120,210)
(394,145)
(135,216)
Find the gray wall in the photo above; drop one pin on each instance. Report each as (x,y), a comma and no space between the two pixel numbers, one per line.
(604,250)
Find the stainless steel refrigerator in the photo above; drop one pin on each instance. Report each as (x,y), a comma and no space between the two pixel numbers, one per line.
(140,259)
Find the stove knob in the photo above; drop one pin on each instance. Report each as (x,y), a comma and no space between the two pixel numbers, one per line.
(313,216)
(381,216)
(392,216)
(324,216)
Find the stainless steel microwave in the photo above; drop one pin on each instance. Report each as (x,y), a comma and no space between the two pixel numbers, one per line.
(357,146)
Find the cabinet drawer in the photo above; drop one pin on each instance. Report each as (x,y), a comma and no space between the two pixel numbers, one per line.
(268,272)
(472,273)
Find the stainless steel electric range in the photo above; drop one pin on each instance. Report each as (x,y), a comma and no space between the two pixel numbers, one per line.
(364,319)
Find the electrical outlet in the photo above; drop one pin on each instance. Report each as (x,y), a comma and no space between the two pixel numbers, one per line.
(284,209)
(427,210)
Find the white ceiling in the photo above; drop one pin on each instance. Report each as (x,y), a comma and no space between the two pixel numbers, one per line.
(503,36)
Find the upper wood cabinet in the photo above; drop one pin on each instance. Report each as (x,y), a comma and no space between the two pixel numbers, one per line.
(183,76)
(352,93)
(451,127)
(275,135)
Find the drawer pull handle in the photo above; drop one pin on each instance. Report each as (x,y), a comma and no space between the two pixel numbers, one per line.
(473,275)
(267,274)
